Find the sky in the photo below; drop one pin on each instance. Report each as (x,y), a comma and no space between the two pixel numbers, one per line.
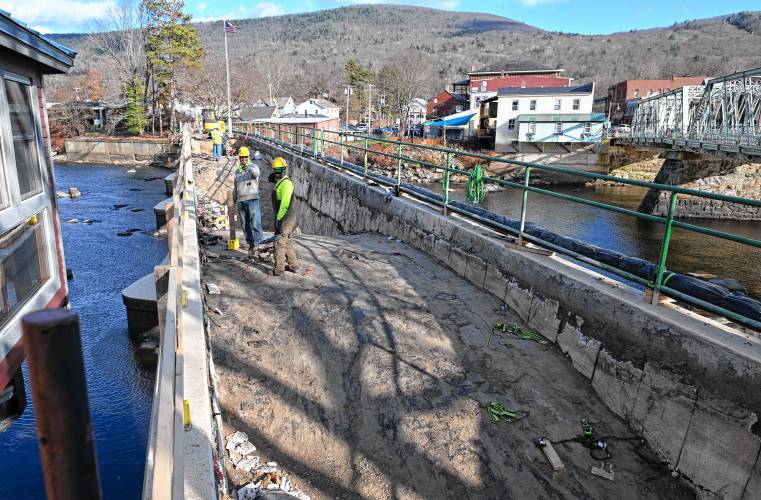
(575,16)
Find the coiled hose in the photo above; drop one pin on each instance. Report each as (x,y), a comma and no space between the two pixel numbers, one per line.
(476,190)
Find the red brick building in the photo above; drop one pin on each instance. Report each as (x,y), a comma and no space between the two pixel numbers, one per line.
(517,81)
(446,103)
(621,92)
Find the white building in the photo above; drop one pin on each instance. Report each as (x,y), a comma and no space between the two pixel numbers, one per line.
(285,105)
(549,114)
(417,111)
(318,107)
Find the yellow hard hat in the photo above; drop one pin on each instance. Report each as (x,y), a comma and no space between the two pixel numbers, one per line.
(279,163)
(243,151)
(221,123)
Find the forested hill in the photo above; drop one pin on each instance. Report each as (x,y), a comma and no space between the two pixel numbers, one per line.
(302,48)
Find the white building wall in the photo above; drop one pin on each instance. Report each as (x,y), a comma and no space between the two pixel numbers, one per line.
(544,104)
(547,132)
(312,108)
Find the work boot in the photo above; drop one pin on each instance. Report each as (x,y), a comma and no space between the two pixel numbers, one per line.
(292,269)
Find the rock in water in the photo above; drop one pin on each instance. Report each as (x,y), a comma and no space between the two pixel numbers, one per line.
(74,192)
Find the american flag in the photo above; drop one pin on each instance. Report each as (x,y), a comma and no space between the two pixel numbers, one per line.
(229,27)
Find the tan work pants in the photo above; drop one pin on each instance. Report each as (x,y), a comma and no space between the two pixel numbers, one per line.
(284,246)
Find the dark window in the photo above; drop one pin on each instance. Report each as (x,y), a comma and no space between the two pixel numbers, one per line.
(510,124)
(515,104)
(576,104)
(532,105)
(25,149)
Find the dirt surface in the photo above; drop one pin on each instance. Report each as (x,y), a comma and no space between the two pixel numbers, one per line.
(366,376)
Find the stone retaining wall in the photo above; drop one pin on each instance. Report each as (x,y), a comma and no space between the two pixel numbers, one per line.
(100,150)
(687,384)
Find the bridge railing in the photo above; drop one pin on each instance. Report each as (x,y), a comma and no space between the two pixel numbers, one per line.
(178,455)
(336,147)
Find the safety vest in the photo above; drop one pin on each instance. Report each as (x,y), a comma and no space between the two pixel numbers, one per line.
(216,137)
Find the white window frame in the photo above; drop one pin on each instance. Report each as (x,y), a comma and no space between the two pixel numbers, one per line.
(532,128)
(16,211)
(532,105)
(558,128)
(557,105)
(514,105)
(588,128)
(576,104)
(511,124)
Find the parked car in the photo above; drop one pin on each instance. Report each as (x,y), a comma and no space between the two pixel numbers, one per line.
(362,127)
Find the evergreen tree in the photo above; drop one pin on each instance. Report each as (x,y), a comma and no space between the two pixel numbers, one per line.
(171,45)
(135,109)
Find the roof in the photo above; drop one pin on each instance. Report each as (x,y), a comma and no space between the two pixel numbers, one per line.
(456,120)
(281,102)
(514,67)
(462,82)
(321,103)
(249,113)
(298,119)
(563,117)
(579,89)
(21,39)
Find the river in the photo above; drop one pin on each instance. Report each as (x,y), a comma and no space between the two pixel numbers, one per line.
(119,384)
(688,251)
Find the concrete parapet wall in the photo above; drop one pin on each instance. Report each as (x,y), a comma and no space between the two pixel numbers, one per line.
(99,150)
(687,384)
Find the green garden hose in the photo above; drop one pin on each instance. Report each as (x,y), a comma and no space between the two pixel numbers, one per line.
(476,190)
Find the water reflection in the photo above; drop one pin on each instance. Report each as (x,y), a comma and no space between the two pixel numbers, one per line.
(688,251)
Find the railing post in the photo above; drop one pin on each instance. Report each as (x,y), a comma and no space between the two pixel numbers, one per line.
(322,143)
(59,391)
(398,168)
(341,139)
(446,182)
(524,203)
(314,143)
(664,248)
(366,147)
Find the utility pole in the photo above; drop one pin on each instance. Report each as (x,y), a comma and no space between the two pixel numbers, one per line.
(348,91)
(369,107)
(227,69)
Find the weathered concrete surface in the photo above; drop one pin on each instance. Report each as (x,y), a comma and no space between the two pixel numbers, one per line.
(112,150)
(711,359)
(366,376)
(140,300)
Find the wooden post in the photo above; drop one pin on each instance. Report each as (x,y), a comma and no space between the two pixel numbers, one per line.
(64,428)
(232,243)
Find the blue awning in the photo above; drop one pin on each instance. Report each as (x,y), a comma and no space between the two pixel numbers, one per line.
(451,122)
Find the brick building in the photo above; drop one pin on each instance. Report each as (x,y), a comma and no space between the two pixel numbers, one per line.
(446,103)
(622,92)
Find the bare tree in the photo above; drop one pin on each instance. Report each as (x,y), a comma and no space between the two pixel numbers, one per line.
(120,36)
(401,82)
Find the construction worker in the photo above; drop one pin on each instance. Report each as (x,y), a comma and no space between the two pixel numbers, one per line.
(246,197)
(216,143)
(285,217)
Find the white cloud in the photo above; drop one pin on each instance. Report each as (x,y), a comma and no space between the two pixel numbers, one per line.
(56,15)
(268,9)
(532,3)
(201,6)
(262,9)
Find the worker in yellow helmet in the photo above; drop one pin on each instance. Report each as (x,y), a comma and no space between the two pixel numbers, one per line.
(285,218)
(216,143)
(246,197)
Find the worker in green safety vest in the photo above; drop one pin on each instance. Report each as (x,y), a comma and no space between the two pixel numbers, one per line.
(285,218)
(216,143)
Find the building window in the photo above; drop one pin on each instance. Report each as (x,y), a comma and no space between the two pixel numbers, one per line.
(483,86)
(576,104)
(636,92)
(515,104)
(532,128)
(492,110)
(587,128)
(511,124)
(458,108)
(558,128)
(23,264)
(435,100)
(649,92)
(557,105)
(532,105)
(25,149)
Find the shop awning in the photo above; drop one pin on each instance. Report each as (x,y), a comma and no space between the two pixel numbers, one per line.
(456,120)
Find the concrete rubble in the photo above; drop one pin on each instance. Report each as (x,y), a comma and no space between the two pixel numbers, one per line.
(266,477)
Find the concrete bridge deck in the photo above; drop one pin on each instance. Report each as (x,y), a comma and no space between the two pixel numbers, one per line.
(366,376)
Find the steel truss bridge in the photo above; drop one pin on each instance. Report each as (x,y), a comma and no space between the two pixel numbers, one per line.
(721,118)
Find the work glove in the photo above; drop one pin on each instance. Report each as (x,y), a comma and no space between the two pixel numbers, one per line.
(279,226)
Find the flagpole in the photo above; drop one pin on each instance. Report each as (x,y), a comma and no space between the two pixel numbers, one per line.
(227,69)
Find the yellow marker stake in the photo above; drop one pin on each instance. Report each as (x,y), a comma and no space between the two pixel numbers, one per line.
(186,414)
(233,244)
(32,220)
(184,297)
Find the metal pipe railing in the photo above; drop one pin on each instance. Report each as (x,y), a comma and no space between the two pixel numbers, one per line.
(274,133)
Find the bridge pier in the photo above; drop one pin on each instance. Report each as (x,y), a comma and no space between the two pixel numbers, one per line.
(696,171)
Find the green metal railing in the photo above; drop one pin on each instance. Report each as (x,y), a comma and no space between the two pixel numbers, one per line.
(296,138)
